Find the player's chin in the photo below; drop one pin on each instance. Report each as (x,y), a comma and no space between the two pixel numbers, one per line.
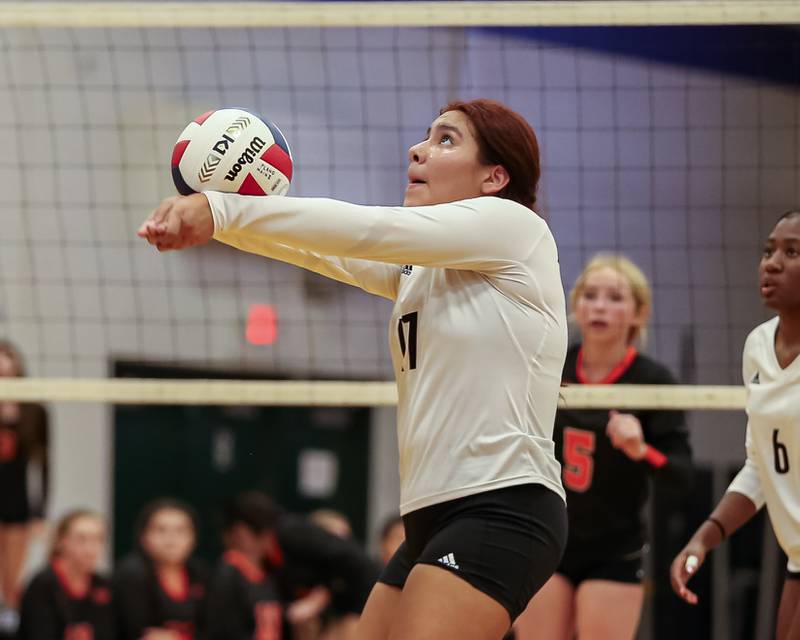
(416,195)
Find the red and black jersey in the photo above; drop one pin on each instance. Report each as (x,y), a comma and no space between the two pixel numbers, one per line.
(53,610)
(243,602)
(142,600)
(606,490)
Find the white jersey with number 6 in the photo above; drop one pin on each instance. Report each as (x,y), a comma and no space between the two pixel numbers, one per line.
(771,473)
(478,332)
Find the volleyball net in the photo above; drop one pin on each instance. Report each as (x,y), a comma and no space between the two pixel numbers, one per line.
(670,132)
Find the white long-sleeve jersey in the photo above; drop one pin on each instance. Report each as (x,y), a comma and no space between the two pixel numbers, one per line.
(478,332)
(771,473)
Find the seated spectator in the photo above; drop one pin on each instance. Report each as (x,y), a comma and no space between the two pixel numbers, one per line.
(243,599)
(159,590)
(309,567)
(68,600)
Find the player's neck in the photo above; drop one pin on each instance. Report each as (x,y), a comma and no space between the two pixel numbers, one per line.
(171,570)
(598,359)
(787,338)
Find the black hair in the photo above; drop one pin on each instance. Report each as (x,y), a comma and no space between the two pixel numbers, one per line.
(791,213)
(162,504)
(254,509)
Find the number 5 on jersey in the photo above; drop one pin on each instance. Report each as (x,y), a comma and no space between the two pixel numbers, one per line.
(578,460)
(407,335)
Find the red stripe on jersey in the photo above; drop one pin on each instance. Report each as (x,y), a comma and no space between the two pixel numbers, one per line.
(279,159)
(175,592)
(204,117)
(614,375)
(75,589)
(250,187)
(654,457)
(178,151)
(251,571)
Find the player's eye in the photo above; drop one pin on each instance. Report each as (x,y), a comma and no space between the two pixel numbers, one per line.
(445,138)
(766,252)
(791,252)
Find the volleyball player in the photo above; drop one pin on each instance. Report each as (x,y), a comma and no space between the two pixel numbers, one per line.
(478,339)
(607,459)
(771,373)
(23,442)
(69,600)
(159,590)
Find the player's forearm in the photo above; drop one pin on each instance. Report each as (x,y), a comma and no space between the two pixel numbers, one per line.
(733,511)
(468,234)
(373,277)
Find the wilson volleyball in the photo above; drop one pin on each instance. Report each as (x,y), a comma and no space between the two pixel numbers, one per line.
(232,150)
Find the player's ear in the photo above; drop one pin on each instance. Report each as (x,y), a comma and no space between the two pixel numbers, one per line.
(495,180)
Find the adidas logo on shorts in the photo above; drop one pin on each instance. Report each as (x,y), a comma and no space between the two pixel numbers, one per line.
(449,560)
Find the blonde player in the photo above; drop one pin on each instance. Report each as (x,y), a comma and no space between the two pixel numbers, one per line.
(771,473)
(478,339)
(608,459)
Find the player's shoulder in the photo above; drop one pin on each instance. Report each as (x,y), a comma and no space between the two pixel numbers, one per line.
(507,209)
(43,580)
(648,370)
(761,337)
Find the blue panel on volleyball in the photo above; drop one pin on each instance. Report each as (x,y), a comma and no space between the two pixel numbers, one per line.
(278,137)
(276,133)
(180,184)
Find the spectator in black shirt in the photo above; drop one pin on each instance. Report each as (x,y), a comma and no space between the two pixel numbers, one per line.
(69,600)
(159,590)
(296,556)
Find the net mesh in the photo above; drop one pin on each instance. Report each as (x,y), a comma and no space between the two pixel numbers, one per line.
(670,132)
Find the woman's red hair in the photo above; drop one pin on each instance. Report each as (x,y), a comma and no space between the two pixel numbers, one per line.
(504,137)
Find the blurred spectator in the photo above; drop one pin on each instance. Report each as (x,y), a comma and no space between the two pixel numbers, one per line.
(23,478)
(331,624)
(310,567)
(393,534)
(68,600)
(159,590)
(243,599)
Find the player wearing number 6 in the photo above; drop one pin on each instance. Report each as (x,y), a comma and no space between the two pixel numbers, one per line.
(606,458)
(478,338)
(771,473)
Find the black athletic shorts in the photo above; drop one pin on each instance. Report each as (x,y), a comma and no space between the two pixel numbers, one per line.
(589,563)
(792,575)
(506,543)
(14,504)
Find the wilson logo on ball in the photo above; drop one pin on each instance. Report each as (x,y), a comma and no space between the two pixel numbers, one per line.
(212,153)
(250,154)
